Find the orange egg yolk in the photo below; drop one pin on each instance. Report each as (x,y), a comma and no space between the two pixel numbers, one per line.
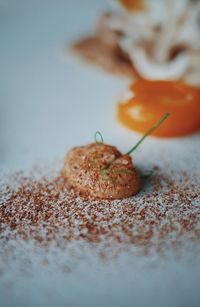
(133,5)
(146,101)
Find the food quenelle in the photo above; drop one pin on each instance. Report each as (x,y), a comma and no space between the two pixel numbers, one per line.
(100,171)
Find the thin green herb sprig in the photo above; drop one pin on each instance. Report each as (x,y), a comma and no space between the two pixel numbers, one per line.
(105,170)
(98,133)
(154,127)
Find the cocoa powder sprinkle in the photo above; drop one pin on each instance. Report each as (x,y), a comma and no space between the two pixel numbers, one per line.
(166,215)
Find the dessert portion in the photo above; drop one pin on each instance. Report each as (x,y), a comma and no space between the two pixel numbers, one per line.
(100,171)
(145,101)
(157,45)
(147,39)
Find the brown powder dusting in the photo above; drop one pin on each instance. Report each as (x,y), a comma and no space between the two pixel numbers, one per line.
(165,216)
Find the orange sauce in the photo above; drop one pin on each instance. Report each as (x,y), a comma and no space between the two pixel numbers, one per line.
(147,101)
(133,5)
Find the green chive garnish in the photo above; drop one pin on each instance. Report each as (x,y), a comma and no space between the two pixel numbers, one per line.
(148,133)
(96,135)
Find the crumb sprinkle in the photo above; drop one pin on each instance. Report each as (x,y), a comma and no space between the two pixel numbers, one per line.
(44,211)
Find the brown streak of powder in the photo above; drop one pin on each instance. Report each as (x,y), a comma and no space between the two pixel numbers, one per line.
(102,49)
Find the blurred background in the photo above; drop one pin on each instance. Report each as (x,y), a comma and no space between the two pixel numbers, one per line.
(47,99)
